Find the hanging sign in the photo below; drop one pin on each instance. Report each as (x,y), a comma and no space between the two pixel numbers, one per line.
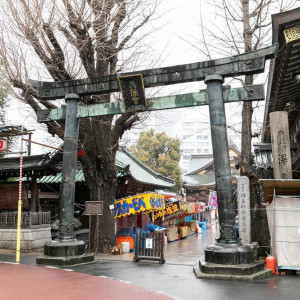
(133,92)
(170,208)
(139,203)
(213,200)
(3,145)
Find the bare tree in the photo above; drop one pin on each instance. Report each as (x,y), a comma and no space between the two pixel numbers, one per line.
(64,40)
(234,27)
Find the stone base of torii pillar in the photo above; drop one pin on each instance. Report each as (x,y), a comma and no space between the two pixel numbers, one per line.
(231,261)
(64,253)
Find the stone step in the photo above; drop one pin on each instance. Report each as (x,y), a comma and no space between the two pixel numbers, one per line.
(241,269)
(266,273)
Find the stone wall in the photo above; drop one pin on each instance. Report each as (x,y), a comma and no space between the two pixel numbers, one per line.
(31,238)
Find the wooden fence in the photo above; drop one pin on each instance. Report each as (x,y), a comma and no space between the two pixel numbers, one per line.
(149,247)
(28,219)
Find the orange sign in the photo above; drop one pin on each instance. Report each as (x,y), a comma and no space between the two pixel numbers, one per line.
(171,208)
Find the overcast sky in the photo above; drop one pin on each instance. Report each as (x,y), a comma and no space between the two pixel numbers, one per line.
(180,22)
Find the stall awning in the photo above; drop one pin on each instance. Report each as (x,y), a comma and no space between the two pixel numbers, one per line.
(139,203)
(279,187)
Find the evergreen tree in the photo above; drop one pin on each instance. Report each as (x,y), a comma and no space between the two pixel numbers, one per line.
(161,153)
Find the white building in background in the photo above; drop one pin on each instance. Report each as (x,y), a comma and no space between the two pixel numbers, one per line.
(190,125)
(195,134)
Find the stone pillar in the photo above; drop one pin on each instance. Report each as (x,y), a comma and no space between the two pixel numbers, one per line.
(221,158)
(228,249)
(281,152)
(243,197)
(65,249)
(67,191)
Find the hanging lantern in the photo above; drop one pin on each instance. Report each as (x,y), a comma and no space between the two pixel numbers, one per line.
(80,153)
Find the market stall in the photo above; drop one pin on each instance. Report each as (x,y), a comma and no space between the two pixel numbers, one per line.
(133,212)
(179,218)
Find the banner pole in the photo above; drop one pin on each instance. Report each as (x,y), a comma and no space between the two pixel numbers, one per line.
(19,205)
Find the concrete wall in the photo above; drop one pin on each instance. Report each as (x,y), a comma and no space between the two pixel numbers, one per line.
(31,238)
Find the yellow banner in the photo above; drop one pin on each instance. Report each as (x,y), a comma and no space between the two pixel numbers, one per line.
(139,203)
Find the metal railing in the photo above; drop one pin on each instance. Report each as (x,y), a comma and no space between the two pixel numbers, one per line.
(28,219)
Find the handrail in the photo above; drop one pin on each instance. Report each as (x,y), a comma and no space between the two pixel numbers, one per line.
(28,219)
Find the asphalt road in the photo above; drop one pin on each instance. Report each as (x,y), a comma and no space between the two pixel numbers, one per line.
(179,282)
(175,278)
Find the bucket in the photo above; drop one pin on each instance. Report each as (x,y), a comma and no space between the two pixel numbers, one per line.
(270,263)
(165,240)
(126,247)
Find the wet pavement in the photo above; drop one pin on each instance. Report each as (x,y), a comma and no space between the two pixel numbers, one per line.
(34,282)
(174,279)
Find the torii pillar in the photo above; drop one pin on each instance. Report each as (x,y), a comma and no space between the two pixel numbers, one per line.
(228,256)
(66,249)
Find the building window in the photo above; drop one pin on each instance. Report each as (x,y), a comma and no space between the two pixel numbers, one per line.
(187,150)
(202,144)
(186,157)
(186,143)
(199,150)
(205,150)
(187,124)
(202,137)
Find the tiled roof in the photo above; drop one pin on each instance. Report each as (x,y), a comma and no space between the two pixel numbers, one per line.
(198,180)
(142,173)
(197,162)
(125,163)
(200,162)
(33,162)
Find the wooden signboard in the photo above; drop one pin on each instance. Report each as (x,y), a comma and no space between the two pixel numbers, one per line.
(133,92)
(94,208)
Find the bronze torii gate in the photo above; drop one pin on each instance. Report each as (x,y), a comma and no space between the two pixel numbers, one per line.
(228,249)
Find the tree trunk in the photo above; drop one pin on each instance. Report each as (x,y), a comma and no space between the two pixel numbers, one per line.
(101,177)
(259,224)
(246,156)
(102,234)
(102,187)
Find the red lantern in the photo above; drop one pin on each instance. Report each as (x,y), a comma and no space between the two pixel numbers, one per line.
(80,153)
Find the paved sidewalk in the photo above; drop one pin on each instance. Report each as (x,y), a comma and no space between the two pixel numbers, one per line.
(33,282)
